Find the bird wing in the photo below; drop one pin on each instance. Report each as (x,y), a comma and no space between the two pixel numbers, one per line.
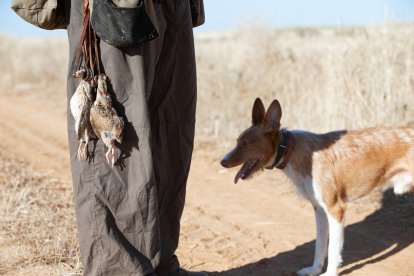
(73,104)
(105,123)
(118,128)
(80,104)
(94,119)
(83,120)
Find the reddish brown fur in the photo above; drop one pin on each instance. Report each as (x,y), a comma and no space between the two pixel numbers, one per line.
(328,169)
(346,165)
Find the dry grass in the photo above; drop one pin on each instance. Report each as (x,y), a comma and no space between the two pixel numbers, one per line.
(325,79)
(34,68)
(37,223)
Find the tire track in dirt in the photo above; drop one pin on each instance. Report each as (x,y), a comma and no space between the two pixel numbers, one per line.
(258,227)
(232,228)
(262,227)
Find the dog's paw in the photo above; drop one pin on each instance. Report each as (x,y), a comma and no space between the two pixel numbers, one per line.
(309,271)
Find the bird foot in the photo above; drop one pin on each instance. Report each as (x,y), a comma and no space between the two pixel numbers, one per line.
(82,151)
(113,160)
(79,152)
(110,156)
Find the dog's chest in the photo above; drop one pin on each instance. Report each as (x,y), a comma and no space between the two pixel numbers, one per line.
(304,184)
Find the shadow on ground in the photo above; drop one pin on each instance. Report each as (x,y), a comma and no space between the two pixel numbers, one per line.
(379,236)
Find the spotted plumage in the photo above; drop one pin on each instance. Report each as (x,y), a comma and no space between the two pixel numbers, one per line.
(105,121)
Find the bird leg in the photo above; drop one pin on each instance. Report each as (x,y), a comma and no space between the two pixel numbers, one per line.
(110,156)
(80,154)
(107,155)
(113,156)
(82,151)
(85,150)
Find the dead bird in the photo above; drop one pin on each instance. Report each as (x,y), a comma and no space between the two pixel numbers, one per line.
(106,123)
(80,106)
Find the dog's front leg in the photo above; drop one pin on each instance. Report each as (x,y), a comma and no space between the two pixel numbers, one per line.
(321,244)
(336,242)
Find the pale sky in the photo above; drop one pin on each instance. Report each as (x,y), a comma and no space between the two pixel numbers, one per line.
(233,14)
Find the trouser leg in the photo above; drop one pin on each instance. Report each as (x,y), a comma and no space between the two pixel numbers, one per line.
(128,217)
(172,105)
(117,208)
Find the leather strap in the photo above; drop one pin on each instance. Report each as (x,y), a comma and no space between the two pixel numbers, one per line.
(96,48)
(288,152)
(86,23)
(284,151)
(88,47)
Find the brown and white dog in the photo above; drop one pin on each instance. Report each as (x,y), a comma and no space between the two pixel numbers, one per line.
(328,169)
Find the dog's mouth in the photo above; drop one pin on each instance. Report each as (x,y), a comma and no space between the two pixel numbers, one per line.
(246,170)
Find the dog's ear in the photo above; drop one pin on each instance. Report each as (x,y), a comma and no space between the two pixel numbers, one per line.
(273,114)
(258,112)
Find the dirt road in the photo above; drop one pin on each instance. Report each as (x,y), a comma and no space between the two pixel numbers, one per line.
(257,227)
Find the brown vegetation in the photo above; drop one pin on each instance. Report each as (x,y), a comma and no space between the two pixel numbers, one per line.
(37,222)
(325,79)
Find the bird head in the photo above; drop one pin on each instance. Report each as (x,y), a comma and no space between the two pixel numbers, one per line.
(80,74)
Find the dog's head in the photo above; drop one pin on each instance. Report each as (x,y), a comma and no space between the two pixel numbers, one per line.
(256,146)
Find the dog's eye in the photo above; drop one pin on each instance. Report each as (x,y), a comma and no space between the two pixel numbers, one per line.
(243,143)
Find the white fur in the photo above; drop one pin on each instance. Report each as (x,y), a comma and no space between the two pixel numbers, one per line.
(326,225)
(321,244)
(336,235)
(297,179)
(336,242)
(402,183)
(324,158)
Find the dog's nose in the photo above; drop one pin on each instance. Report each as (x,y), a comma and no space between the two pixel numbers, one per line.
(224,163)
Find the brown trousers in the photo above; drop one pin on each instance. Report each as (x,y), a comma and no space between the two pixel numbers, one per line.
(129,216)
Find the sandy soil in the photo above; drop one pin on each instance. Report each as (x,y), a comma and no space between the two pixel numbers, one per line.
(257,227)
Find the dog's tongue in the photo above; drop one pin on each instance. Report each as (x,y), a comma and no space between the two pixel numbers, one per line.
(240,172)
(245,170)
